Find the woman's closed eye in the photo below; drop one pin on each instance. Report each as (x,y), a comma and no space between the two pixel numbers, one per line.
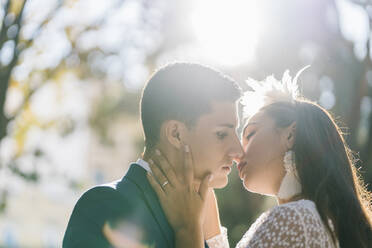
(250,135)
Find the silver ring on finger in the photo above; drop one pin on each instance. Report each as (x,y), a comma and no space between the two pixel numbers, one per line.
(164,184)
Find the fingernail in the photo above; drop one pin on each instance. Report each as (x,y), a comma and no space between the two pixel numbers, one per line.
(157,152)
(210,177)
(187,148)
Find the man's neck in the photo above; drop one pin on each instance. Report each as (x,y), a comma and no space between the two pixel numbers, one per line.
(172,158)
(171,155)
(146,155)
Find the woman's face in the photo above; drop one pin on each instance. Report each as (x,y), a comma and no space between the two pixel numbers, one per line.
(261,169)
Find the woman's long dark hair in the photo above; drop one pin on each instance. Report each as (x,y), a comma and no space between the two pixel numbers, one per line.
(327,172)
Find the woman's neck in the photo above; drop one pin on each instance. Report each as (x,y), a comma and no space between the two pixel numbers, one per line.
(294,198)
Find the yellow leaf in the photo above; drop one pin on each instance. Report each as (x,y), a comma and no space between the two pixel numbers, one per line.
(14,84)
(15,6)
(25,122)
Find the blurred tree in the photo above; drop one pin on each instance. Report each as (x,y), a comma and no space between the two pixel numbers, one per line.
(12,45)
(53,42)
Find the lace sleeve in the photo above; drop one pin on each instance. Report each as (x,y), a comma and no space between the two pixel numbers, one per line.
(287,226)
(219,241)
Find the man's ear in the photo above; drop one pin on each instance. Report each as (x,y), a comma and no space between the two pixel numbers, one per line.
(174,132)
(290,135)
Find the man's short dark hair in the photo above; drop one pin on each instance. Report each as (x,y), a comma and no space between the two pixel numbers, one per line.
(183,92)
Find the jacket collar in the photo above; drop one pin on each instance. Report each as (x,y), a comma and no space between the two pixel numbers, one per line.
(137,175)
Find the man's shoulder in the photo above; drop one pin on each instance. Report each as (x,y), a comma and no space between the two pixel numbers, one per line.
(117,202)
(108,190)
(117,190)
(103,202)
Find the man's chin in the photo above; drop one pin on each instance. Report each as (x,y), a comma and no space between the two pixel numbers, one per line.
(219,183)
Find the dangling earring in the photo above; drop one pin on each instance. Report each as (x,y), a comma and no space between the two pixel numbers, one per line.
(290,185)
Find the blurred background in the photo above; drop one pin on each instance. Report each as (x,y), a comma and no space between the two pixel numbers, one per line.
(71,74)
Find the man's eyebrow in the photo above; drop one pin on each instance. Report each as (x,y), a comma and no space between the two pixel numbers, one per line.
(227,125)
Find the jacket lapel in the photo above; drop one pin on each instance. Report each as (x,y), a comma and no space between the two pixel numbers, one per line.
(137,175)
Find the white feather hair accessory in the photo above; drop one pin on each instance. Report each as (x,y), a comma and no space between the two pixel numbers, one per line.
(269,91)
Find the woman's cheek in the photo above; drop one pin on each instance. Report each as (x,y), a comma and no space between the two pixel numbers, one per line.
(256,153)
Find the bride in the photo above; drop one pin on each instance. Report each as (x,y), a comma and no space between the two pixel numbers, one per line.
(295,152)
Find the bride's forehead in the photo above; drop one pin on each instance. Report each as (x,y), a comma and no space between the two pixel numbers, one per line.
(259,116)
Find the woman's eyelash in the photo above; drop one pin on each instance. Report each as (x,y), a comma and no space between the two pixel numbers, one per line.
(250,135)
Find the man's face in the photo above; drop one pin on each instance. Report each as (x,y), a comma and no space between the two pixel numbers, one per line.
(214,143)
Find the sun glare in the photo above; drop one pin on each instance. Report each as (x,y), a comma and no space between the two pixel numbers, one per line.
(227,31)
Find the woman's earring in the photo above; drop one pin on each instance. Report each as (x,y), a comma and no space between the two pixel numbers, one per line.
(290,185)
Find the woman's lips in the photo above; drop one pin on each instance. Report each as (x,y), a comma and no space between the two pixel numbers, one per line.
(240,168)
(241,165)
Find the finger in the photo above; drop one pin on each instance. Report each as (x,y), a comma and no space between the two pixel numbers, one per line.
(203,189)
(188,166)
(158,174)
(155,185)
(167,169)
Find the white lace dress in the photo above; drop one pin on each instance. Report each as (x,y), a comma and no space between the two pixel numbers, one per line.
(294,224)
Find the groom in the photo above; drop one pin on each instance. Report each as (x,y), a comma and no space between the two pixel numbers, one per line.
(181,103)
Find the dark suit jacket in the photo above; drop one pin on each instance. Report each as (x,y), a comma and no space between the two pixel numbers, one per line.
(130,205)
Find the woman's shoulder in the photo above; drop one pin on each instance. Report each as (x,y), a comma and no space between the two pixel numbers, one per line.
(289,212)
(299,207)
(299,216)
(287,225)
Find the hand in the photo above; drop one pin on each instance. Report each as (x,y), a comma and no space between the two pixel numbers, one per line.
(118,239)
(182,203)
(211,223)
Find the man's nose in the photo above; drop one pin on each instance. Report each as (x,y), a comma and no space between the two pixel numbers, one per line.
(237,152)
(237,159)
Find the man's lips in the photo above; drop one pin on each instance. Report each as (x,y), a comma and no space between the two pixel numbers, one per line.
(227,166)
